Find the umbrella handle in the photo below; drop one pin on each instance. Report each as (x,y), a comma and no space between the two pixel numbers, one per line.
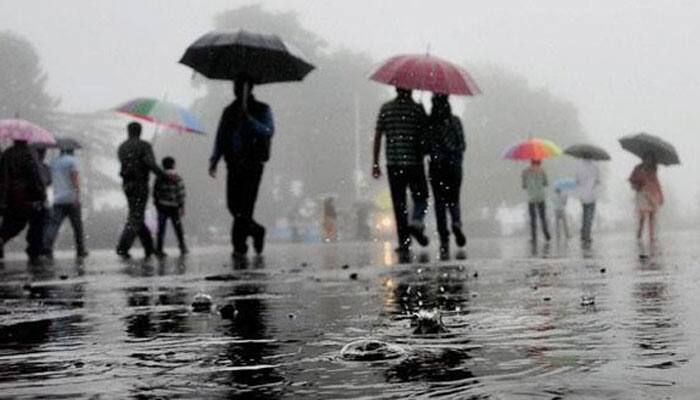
(246,92)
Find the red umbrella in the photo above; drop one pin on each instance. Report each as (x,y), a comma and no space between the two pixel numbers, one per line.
(426,72)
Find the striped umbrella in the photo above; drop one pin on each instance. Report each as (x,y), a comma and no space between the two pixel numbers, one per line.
(426,72)
(168,115)
(532,149)
(19,129)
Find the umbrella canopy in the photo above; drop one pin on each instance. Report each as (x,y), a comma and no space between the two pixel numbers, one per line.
(169,115)
(565,184)
(63,143)
(532,149)
(643,143)
(232,54)
(19,129)
(587,151)
(425,72)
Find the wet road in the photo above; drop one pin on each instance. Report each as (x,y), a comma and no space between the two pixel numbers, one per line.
(558,322)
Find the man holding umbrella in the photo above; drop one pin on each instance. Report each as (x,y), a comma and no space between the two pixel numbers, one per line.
(246,126)
(243,140)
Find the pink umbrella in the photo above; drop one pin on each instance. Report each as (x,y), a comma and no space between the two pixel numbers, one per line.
(426,72)
(19,129)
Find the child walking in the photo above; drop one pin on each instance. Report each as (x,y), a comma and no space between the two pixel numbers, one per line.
(169,199)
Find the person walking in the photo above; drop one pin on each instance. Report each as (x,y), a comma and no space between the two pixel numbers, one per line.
(65,171)
(534,181)
(649,196)
(587,182)
(403,122)
(22,198)
(169,199)
(137,163)
(561,222)
(243,139)
(446,150)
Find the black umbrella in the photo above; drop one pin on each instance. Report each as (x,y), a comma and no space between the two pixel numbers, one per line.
(62,144)
(643,143)
(587,151)
(262,58)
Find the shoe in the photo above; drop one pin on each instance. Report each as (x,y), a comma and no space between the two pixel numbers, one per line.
(461,255)
(238,256)
(80,254)
(124,255)
(259,240)
(444,253)
(184,250)
(460,239)
(160,254)
(35,261)
(418,233)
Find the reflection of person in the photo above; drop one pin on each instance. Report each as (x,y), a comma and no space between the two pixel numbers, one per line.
(403,121)
(649,196)
(137,163)
(22,197)
(330,233)
(587,182)
(560,199)
(169,199)
(447,146)
(66,201)
(535,182)
(243,140)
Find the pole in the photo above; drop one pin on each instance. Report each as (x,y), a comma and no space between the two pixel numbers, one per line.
(358,166)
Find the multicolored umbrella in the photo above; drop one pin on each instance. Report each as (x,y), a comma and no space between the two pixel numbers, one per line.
(19,129)
(168,115)
(532,149)
(426,72)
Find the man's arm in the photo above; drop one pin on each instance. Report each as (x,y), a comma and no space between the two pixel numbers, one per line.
(75,180)
(218,150)
(376,149)
(263,127)
(151,161)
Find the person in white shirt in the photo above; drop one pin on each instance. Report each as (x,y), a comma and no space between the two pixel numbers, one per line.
(587,182)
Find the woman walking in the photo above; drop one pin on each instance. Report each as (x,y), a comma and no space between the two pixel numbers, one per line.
(649,196)
(446,148)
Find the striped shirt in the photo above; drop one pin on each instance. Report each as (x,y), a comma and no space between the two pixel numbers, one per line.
(402,121)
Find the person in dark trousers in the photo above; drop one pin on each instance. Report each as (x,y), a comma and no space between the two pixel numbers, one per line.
(446,149)
(65,171)
(243,139)
(403,122)
(137,164)
(169,199)
(535,183)
(22,198)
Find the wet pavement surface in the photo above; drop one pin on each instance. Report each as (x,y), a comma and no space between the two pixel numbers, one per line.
(554,322)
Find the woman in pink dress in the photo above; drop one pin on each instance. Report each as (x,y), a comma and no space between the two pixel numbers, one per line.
(649,195)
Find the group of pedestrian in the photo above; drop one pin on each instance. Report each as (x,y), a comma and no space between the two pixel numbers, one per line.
(411,135)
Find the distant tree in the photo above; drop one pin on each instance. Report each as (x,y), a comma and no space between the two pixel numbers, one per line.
(509,110)
(315,122)
(23,82)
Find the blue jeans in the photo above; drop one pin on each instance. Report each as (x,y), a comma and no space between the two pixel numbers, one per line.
(59,213)
(588,214)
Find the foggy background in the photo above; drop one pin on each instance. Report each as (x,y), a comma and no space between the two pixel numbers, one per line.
(571,73)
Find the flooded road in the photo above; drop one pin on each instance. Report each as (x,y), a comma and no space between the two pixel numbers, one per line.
(555,322)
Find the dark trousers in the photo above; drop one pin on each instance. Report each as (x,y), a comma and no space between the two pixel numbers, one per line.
(588,214)
(242,184)
(173,214)
(534,209)
(400,179)
(15,220)
(446,181)
(58,214)
(136,197)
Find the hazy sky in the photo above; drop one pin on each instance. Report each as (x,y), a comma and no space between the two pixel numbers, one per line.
(626,65)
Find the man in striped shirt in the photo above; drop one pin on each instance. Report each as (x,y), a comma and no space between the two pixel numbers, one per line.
(403,122)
